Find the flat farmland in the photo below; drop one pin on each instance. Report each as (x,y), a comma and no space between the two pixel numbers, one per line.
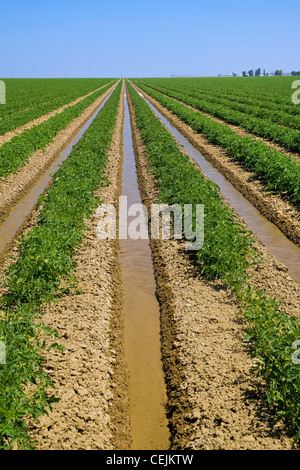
(117,330)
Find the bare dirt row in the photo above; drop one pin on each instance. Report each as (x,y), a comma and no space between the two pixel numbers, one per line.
(15,186)
(9,135)
(275,208)
(214,401)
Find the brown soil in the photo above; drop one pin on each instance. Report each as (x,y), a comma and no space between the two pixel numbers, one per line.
(90,375)
(9,135)
(15,186)
(214,401)
(279,211)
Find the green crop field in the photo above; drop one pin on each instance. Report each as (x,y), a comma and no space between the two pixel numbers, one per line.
(150,229)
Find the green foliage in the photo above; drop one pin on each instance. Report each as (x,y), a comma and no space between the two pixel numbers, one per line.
(45,260)
(266,93)
(28,99)
(279,172)
(272,334)
(15,152)
(251,118)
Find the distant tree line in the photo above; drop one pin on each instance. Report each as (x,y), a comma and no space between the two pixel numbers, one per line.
(252,73)
(257,73)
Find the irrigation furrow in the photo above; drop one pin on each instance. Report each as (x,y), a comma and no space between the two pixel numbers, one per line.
(147,394)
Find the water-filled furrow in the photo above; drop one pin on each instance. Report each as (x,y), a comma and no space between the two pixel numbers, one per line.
(147,394)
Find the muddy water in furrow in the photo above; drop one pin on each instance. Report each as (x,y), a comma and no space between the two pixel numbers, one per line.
(283,249)
(147,395)
(17,217)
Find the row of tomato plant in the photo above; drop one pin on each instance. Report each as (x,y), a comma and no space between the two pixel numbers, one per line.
(29,99)
(15,152)
(285,136)
(269,92)
(227,254)
(279,172)
(43,271)
(252,106)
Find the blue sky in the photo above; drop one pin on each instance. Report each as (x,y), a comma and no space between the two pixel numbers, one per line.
(157,38)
